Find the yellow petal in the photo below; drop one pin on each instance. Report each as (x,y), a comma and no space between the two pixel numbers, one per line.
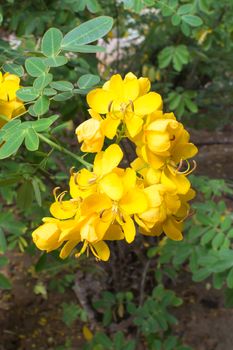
(128,229)
(114,233)
(112,186)
(106,161)
(109,126)
(95,203)
(131,89)
(99,100)
(64,209)
(153,196)
(102,250)
(134,201)
(134,125)
(172,230)
(157,142)
(116,86)
(129,179)
(184,151)
(67,248)
(46,237)
(144,84)
(178,182)
(147,103)
(87,129)
(70,230)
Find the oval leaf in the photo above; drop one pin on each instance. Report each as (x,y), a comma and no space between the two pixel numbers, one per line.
(62,85)
(31,140)
(88,80)
(12,144)
(88,32)
(193,21)
(13,69)
(35,66)
(51,42)
(85,48)
(4,282)
(41,106)
(41,82)
(27,94)
(55,61)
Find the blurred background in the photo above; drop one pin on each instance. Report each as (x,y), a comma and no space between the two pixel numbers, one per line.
(158,294)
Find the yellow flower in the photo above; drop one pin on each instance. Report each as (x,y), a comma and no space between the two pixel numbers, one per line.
(46,236)
(10,105)
(168,175)
(84,182)
(163,140)
(126,101)
(91,134)
(166,212)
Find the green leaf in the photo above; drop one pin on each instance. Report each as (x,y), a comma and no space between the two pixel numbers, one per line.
(93,6)
(37,192)
(12,145)
(85,48)
(63,96)
(27,94)
(193,21)
(201,274)
(35,66)
(70,313)
(31,111)
(228,297)
(42,105)
(218,240)
(176,19)
(230,279)
(31,140)
(56,61)
(25,195)
(185,9)
(3,243)
(13,69)
(165,56)
(62,85)
(208,236)
(41,82)
(88,32)
(51,42)
(3,261)
(49,92)
(4,282)
(88,80)
(44,124)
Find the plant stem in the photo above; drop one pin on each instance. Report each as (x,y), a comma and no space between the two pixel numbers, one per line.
(64,150)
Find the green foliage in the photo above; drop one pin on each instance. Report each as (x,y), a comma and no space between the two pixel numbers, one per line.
(102,342)
(72,312)
(208,240)
(15,132)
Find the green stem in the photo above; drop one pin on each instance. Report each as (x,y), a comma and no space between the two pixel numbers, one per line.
(64,150)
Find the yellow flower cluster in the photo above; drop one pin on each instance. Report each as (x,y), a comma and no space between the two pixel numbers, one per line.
(108,202)
(10,105)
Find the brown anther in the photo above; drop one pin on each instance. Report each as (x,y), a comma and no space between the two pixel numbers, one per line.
(55,191)
(179,166)
(91,181)
(172,138)
(110,106)
(72,171)
(132,105)
(76,179)
(61,197)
